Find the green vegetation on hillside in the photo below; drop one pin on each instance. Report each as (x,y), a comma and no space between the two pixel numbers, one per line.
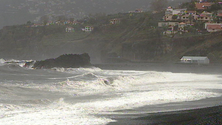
(135,37)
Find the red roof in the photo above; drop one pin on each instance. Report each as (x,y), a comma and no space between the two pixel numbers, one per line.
(203,6)
(214,27)
(205,14)
(219,14)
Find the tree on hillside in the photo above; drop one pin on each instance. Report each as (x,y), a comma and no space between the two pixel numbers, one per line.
(29,23)
(215,7)
(71,19)
(61,18)
(158,5)
(44,19)
(216,1)
(188,5)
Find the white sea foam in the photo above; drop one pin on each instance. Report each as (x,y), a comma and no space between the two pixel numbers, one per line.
(112,81)
(160,88)
(58,113)
(121,90)
(134,100)
(77,70)
(2,61)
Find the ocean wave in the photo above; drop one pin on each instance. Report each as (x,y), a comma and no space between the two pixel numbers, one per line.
(58,112)
(87,92)
(77,70)
(2,61)
(10,68)
(139,99)
(107,83)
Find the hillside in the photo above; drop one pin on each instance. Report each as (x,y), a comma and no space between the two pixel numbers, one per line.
(135,38)
(15,12)
(20,11)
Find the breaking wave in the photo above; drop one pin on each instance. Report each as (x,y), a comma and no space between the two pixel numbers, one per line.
(77,95)
(2,61)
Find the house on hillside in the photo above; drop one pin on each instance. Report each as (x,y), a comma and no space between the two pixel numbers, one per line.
(162,24)
(136,11)
(88,29)
(171,11)
(173,14)
(171,27)
(178,11)
(168,18)
(171,30)
(37,25)
(59,23)
(70,29)
(201,1)
(191,12)
(167,23)
(50,23)
(115,21)
(205,16)
(182,26)
(75,22)
(195,60)
(206,24)
(189,17)
(203,5)
(214,27)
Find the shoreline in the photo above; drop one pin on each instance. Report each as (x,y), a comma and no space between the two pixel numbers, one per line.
(164,67)
(202,116)
(203,112)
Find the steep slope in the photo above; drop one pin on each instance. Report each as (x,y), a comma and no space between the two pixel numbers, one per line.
(20,11)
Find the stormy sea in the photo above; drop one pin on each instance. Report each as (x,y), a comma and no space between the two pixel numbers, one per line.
(108,94)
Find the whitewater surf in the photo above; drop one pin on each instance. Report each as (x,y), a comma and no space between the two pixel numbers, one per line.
(98,96)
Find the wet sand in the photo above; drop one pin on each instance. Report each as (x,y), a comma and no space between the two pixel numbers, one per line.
(201,112)
(203,116)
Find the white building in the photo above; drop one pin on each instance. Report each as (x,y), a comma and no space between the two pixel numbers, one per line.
(88,29)
(167,23)
(195,59)
(178,11)
(70,29)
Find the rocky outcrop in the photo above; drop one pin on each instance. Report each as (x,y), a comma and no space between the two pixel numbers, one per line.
(65,61)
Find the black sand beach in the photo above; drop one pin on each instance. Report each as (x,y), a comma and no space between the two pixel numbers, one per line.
(203,112)
(203,116)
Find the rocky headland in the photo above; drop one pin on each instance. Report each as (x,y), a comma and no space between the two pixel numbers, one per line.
(65,61)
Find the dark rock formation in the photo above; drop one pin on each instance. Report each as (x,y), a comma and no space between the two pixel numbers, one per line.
(65,61)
